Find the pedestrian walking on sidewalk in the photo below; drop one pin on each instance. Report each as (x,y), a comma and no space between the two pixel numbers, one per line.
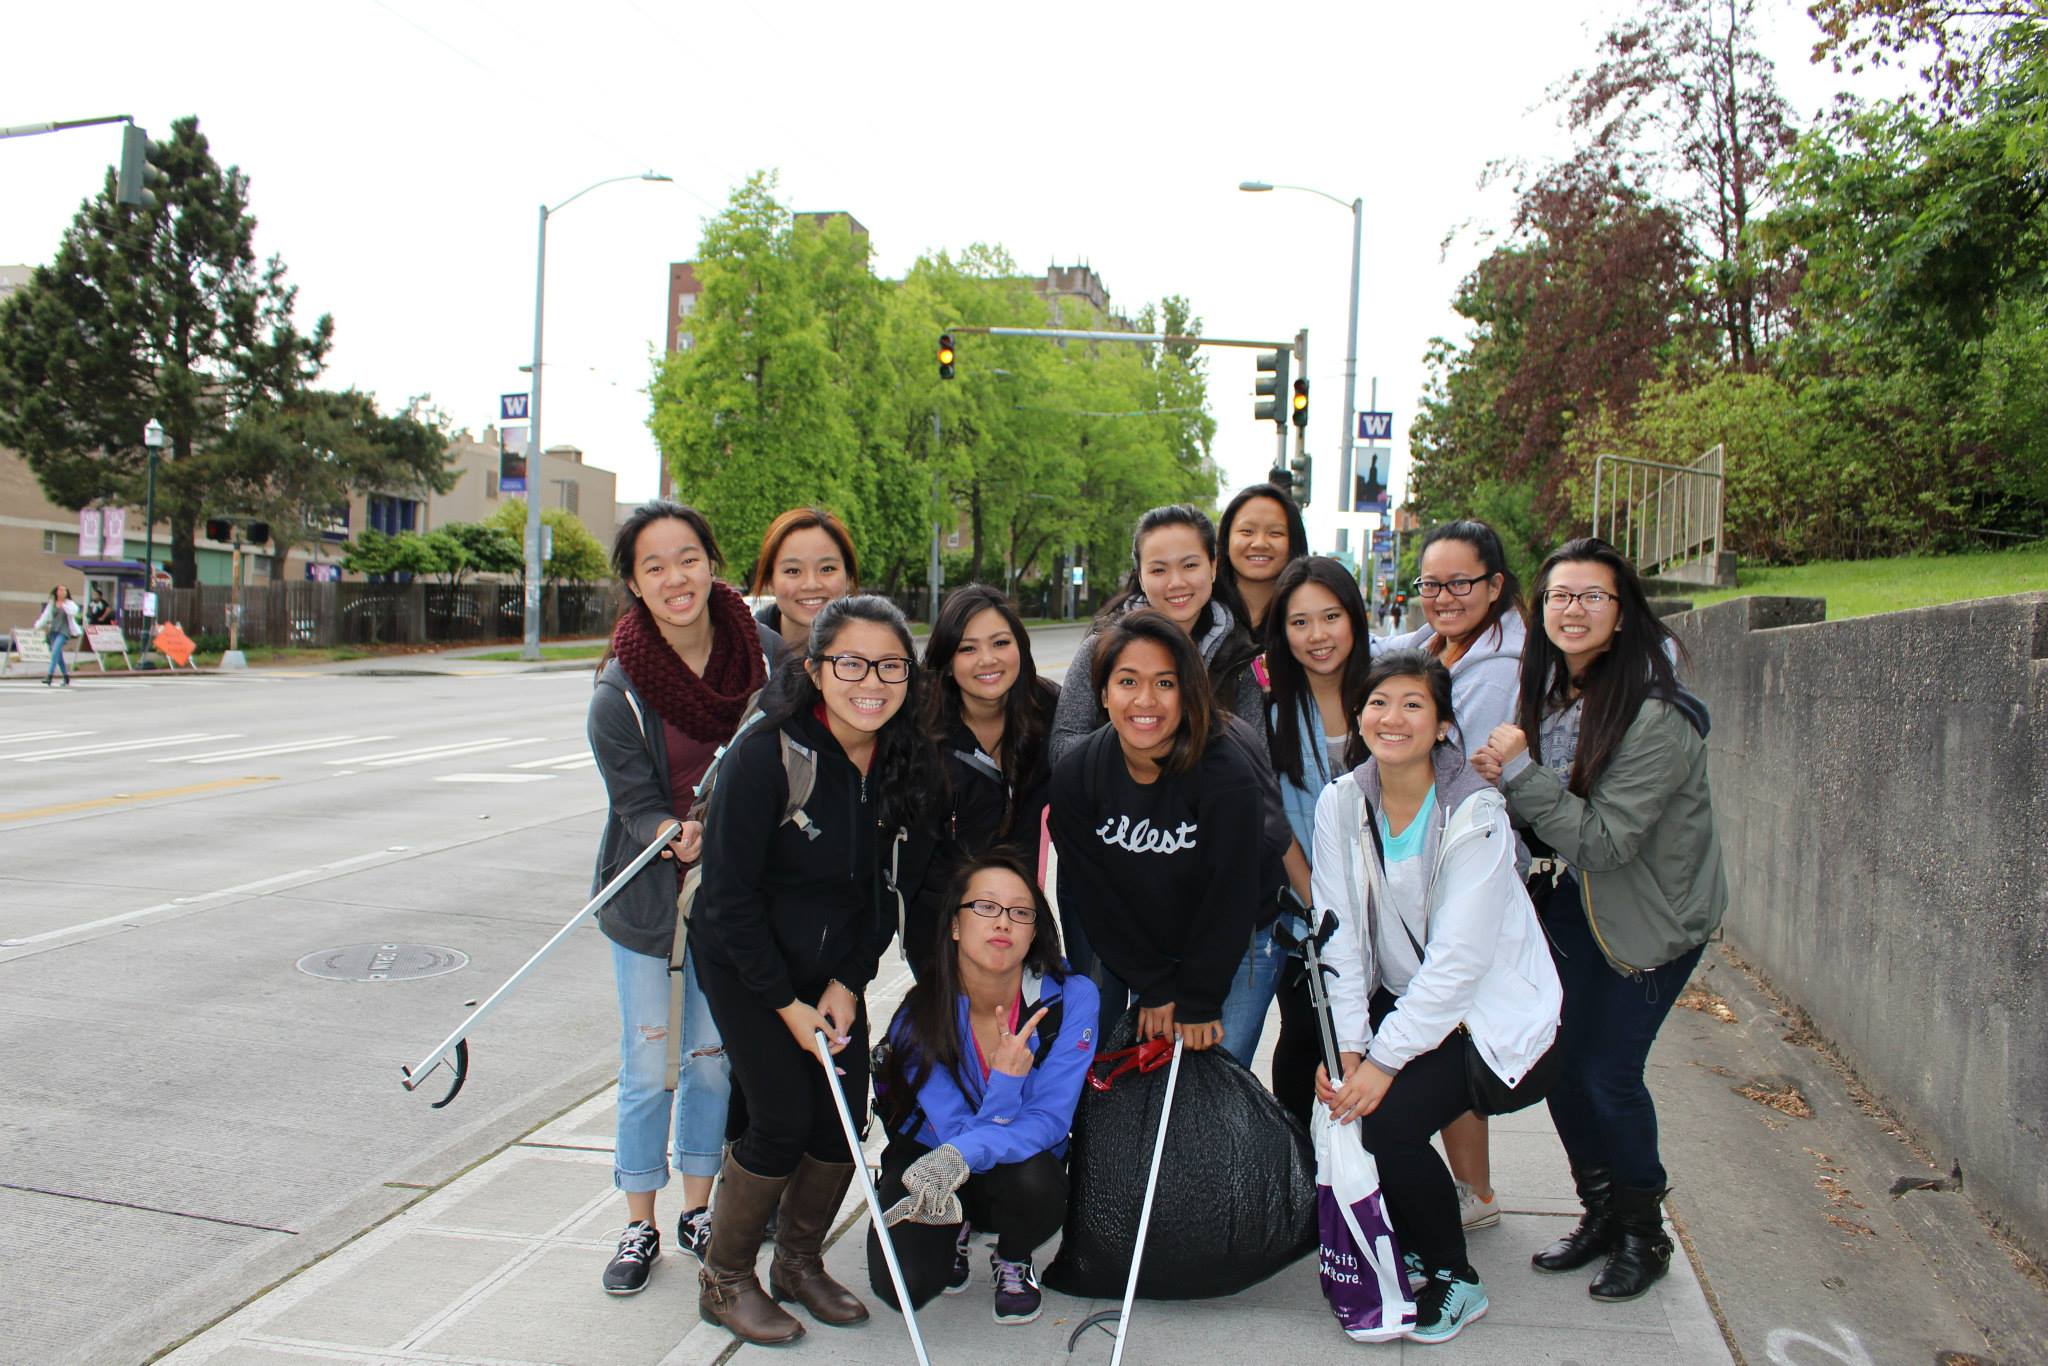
(684,660)
(790,923)
(990,714)
(980,1076)
(1443,995)
(806,561)
(59,624)
(1318,653)
(1472,615)
(1606,768)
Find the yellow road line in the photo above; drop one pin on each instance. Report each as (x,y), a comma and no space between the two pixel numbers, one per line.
(124,798)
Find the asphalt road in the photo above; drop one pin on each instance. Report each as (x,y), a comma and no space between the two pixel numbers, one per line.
(189,1115)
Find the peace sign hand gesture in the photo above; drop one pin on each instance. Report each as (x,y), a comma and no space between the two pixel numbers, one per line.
(1013,1051)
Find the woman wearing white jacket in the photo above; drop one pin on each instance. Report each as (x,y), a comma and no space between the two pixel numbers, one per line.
(1472,610)
(1444,995)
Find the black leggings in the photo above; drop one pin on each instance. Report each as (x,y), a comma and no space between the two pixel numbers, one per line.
(789,1113)
(1022,1203)
(1299,1050)
(1427,1094)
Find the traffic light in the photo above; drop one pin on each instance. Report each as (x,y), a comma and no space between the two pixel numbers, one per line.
(1304,476)
(1280,479)
(137,173)
(258,533)
(219,529)
(1301,403)
(1271,386)
(945,355)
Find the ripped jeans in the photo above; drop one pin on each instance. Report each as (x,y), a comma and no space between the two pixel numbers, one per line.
(648,1122)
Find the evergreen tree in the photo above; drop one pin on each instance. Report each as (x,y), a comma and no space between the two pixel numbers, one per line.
(161,312)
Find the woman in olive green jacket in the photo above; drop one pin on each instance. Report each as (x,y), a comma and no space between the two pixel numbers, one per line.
(1607,773)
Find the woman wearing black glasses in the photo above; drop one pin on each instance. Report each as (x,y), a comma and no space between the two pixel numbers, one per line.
(1606,764)
(979,1080)
(1472,609)
(790,923)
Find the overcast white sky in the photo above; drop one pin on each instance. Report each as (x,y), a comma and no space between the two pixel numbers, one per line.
(398,151)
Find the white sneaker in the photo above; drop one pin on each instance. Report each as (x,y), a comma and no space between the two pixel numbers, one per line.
(1475,1213)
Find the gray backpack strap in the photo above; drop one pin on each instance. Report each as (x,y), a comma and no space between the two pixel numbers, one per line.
(1368,909)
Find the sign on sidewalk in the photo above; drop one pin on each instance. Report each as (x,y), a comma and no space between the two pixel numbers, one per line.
(105,641)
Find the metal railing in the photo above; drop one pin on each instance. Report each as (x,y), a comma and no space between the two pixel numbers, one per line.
(1666,518)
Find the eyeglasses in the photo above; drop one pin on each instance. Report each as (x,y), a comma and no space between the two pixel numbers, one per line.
(989,910)
(1460,588)
(1593,599)
(853,668)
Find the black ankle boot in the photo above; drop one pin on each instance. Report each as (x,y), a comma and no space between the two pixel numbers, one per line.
(1642,1254)
(1596,1232)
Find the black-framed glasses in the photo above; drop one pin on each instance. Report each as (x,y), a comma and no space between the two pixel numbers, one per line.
(853,668)
(1460,588)
(989,910)
(1592,599)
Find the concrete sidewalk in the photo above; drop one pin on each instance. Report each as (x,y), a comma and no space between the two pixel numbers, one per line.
(501,1266)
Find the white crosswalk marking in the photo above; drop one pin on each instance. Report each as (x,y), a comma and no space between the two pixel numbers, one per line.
(265,751)
(563,760)
(400,753)
(441,752)
(24,736)
(494,777)
(44,756)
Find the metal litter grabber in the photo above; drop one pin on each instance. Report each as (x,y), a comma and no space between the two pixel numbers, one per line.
(458,1042)
(1122,1317)
(867,1188)
(1297,930)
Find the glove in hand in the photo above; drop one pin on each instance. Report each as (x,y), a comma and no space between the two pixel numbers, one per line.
(930,1183)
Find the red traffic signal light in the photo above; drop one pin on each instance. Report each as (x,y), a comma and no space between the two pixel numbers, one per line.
(945,355)
(1301,403)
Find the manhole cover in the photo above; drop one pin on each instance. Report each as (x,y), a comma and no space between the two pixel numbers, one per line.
(383,962)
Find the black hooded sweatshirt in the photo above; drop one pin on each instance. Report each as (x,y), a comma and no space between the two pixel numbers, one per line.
(1169,878)
(786,912)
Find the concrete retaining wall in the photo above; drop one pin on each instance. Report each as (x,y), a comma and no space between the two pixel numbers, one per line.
(1882,791)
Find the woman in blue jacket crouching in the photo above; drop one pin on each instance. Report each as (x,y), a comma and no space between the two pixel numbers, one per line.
(982,1070)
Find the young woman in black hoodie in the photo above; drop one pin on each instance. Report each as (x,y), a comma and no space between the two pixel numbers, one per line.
(989,713)
(1161,853)
(790,922)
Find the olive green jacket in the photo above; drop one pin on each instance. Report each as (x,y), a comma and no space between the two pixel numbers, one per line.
(1642,844)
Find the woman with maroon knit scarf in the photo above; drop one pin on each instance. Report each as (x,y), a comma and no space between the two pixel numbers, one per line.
(684,660)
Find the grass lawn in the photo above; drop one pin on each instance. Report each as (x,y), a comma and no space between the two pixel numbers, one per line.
(1861,588)
(546,652)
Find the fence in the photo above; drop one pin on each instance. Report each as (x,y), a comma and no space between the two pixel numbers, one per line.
(1666,518)
(379,613)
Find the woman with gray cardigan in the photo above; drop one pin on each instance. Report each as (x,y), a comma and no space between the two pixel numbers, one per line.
(684,661)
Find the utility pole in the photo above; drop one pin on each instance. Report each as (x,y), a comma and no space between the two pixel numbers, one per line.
(932,606)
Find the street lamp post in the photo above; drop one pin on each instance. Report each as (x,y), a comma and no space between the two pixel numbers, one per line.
(530,647)
(1357,207)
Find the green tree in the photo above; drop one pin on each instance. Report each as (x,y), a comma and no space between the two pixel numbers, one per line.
(161,312)
(575,557)
(294,461)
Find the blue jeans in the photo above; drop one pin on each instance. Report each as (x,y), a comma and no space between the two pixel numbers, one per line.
(56,642)
(648,1120)
(1599,1103)
(1251,995)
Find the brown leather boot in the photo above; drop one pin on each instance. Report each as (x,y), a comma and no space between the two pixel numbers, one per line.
(728,1293)
(798,1272)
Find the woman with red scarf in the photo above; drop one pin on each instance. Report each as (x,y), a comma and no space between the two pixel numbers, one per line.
(684,660)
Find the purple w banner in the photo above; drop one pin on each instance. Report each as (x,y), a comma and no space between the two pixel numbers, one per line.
(1376,427)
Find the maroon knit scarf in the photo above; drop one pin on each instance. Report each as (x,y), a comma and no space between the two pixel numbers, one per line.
(707,708)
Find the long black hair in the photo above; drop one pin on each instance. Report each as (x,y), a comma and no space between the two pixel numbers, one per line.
(1027,708)
(1485,543)
(1635,666)
(1226,572)
(1198,720)
(1173,514)
(933,1005)
(905,765)
(1292,698)
(1408,663)
(626,544)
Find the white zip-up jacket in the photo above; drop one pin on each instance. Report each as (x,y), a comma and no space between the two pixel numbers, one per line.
(1485,962)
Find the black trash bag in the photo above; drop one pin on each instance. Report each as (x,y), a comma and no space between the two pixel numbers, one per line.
(1237,1182)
